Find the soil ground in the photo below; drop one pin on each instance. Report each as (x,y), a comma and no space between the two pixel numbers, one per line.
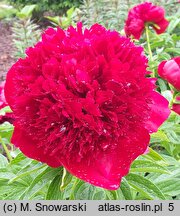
(6,49)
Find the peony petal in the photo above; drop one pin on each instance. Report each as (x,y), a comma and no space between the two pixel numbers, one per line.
(170,71)
(9,85)
(135,28)
(3,101)
(155,13)
(159,112)
(163,24)
(108,167)
(28,146)
(176,108)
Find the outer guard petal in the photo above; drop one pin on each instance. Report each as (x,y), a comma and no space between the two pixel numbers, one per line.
(163,24)
(159,112)
(3,102)
(29,147)
(107,169)
(10,85)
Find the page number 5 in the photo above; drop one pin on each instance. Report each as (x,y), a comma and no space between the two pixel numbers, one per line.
(171,207)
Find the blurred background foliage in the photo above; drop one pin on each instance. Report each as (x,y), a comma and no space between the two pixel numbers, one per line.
(57,6)
(112,14)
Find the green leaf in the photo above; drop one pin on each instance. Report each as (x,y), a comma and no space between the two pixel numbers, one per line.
(171,160)
(173,24)
(54,192)
(55,20)
(159,136)
(170,187)
(82,190)
(27,11)
(11,192)
(126,190)
(164,56)
(154,156)
(173,137)
(145,186)
(4,110)
(173,50)
(176,38)
(85,192)
(3,161)
(99,194)
(20,157)
(162,84)
(111,195)
(120,195)
(156,44)
(70,12)
(6,175)
(6,130)
(43,178)
(26,173)
(158,178)
(147,166)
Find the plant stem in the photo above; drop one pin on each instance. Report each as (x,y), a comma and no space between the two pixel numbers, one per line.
(6,149)
(149,48)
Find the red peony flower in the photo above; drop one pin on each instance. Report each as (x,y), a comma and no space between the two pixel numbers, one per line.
(170,71)
(81,100)
(176,106)
(142,14)
(3,102)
